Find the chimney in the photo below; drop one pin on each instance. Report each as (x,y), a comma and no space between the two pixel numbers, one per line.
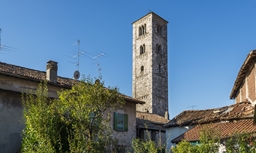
(51,71)
(166,115)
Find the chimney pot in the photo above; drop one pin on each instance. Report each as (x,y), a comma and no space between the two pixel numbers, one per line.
(51,71)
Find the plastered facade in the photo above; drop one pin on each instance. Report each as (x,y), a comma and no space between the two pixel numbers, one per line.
(11,111)
(125,138)
(247,91)
(150,83)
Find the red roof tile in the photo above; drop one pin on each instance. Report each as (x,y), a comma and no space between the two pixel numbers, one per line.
(192,117)
(223,130)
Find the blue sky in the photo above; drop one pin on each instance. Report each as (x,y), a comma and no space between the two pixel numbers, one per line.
(207,42)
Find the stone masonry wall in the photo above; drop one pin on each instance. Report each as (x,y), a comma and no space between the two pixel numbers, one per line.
(151,85)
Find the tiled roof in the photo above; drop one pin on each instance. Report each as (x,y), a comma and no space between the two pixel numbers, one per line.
(152,121)
(249,61)
(223,130)
(192,117)
(34,75)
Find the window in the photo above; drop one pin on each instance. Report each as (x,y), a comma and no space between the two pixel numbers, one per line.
(159,29)
(142,49)
(158,48)
(142,30)
(142,68)
(120,122)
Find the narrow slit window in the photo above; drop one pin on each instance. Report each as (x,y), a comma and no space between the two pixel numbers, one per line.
(142,68)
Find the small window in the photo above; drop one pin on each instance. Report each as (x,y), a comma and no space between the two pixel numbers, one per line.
(140,31)
(142,49)
(153,135)
(158,48)
(144,32)
(120,122)
(142,68)
(159,29)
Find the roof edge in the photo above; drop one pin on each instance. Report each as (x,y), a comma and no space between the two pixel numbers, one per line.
(242,74)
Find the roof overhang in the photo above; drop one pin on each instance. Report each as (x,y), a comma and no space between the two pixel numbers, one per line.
(247,65)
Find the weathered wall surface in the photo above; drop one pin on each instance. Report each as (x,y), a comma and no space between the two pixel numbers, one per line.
(247,91)
(11,123)
(11,112)
(174,132)
(125,138)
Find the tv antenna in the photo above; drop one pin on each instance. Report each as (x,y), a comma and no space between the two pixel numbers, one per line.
(97,57)
(192,107)
(4,47)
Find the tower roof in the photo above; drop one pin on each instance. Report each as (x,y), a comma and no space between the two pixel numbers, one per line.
(152,14)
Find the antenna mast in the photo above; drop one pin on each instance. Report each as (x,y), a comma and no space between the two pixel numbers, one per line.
(0,39)
(78,53)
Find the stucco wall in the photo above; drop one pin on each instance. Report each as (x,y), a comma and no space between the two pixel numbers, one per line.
(11,113)
(174,132)
(11,124)
(247,91)
(125,138)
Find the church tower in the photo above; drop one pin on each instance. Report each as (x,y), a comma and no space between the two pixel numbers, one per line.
(150,65)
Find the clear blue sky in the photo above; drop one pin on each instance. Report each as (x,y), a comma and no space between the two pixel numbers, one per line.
(207,42)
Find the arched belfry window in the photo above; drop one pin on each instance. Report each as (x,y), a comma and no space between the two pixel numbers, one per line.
(142,30)
(158,48)
(159,29)
(142,49)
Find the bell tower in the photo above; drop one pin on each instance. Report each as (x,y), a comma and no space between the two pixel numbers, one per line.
(150,64)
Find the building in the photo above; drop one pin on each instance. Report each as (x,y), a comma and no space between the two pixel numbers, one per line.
(187,125)
(150,65)
(150,76)
(244,88)
(228,120)
(15,80)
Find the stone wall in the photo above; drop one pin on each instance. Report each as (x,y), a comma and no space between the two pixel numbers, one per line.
(151,84)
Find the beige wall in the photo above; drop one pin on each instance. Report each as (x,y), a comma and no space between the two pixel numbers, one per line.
(11,113)
(125,138)
(11,124)
(247,91)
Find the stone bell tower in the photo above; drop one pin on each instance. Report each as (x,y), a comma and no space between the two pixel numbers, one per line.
(150,63)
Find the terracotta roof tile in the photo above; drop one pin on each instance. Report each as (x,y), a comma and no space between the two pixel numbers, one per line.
(34,75)
(192,117)
(224,130)
(152,121)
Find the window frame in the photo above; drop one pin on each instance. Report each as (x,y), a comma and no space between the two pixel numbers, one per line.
(120,122)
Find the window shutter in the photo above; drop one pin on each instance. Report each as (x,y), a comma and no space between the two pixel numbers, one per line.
(115,121)
(125,122)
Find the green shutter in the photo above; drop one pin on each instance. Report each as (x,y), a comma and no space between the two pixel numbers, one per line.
(115,120)
(125,122)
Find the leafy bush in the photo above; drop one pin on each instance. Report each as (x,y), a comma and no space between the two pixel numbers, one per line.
(76,122)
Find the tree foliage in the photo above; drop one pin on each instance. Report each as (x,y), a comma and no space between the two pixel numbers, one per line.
(78,121)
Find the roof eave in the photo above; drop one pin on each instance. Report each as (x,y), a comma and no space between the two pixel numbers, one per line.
(242,73)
